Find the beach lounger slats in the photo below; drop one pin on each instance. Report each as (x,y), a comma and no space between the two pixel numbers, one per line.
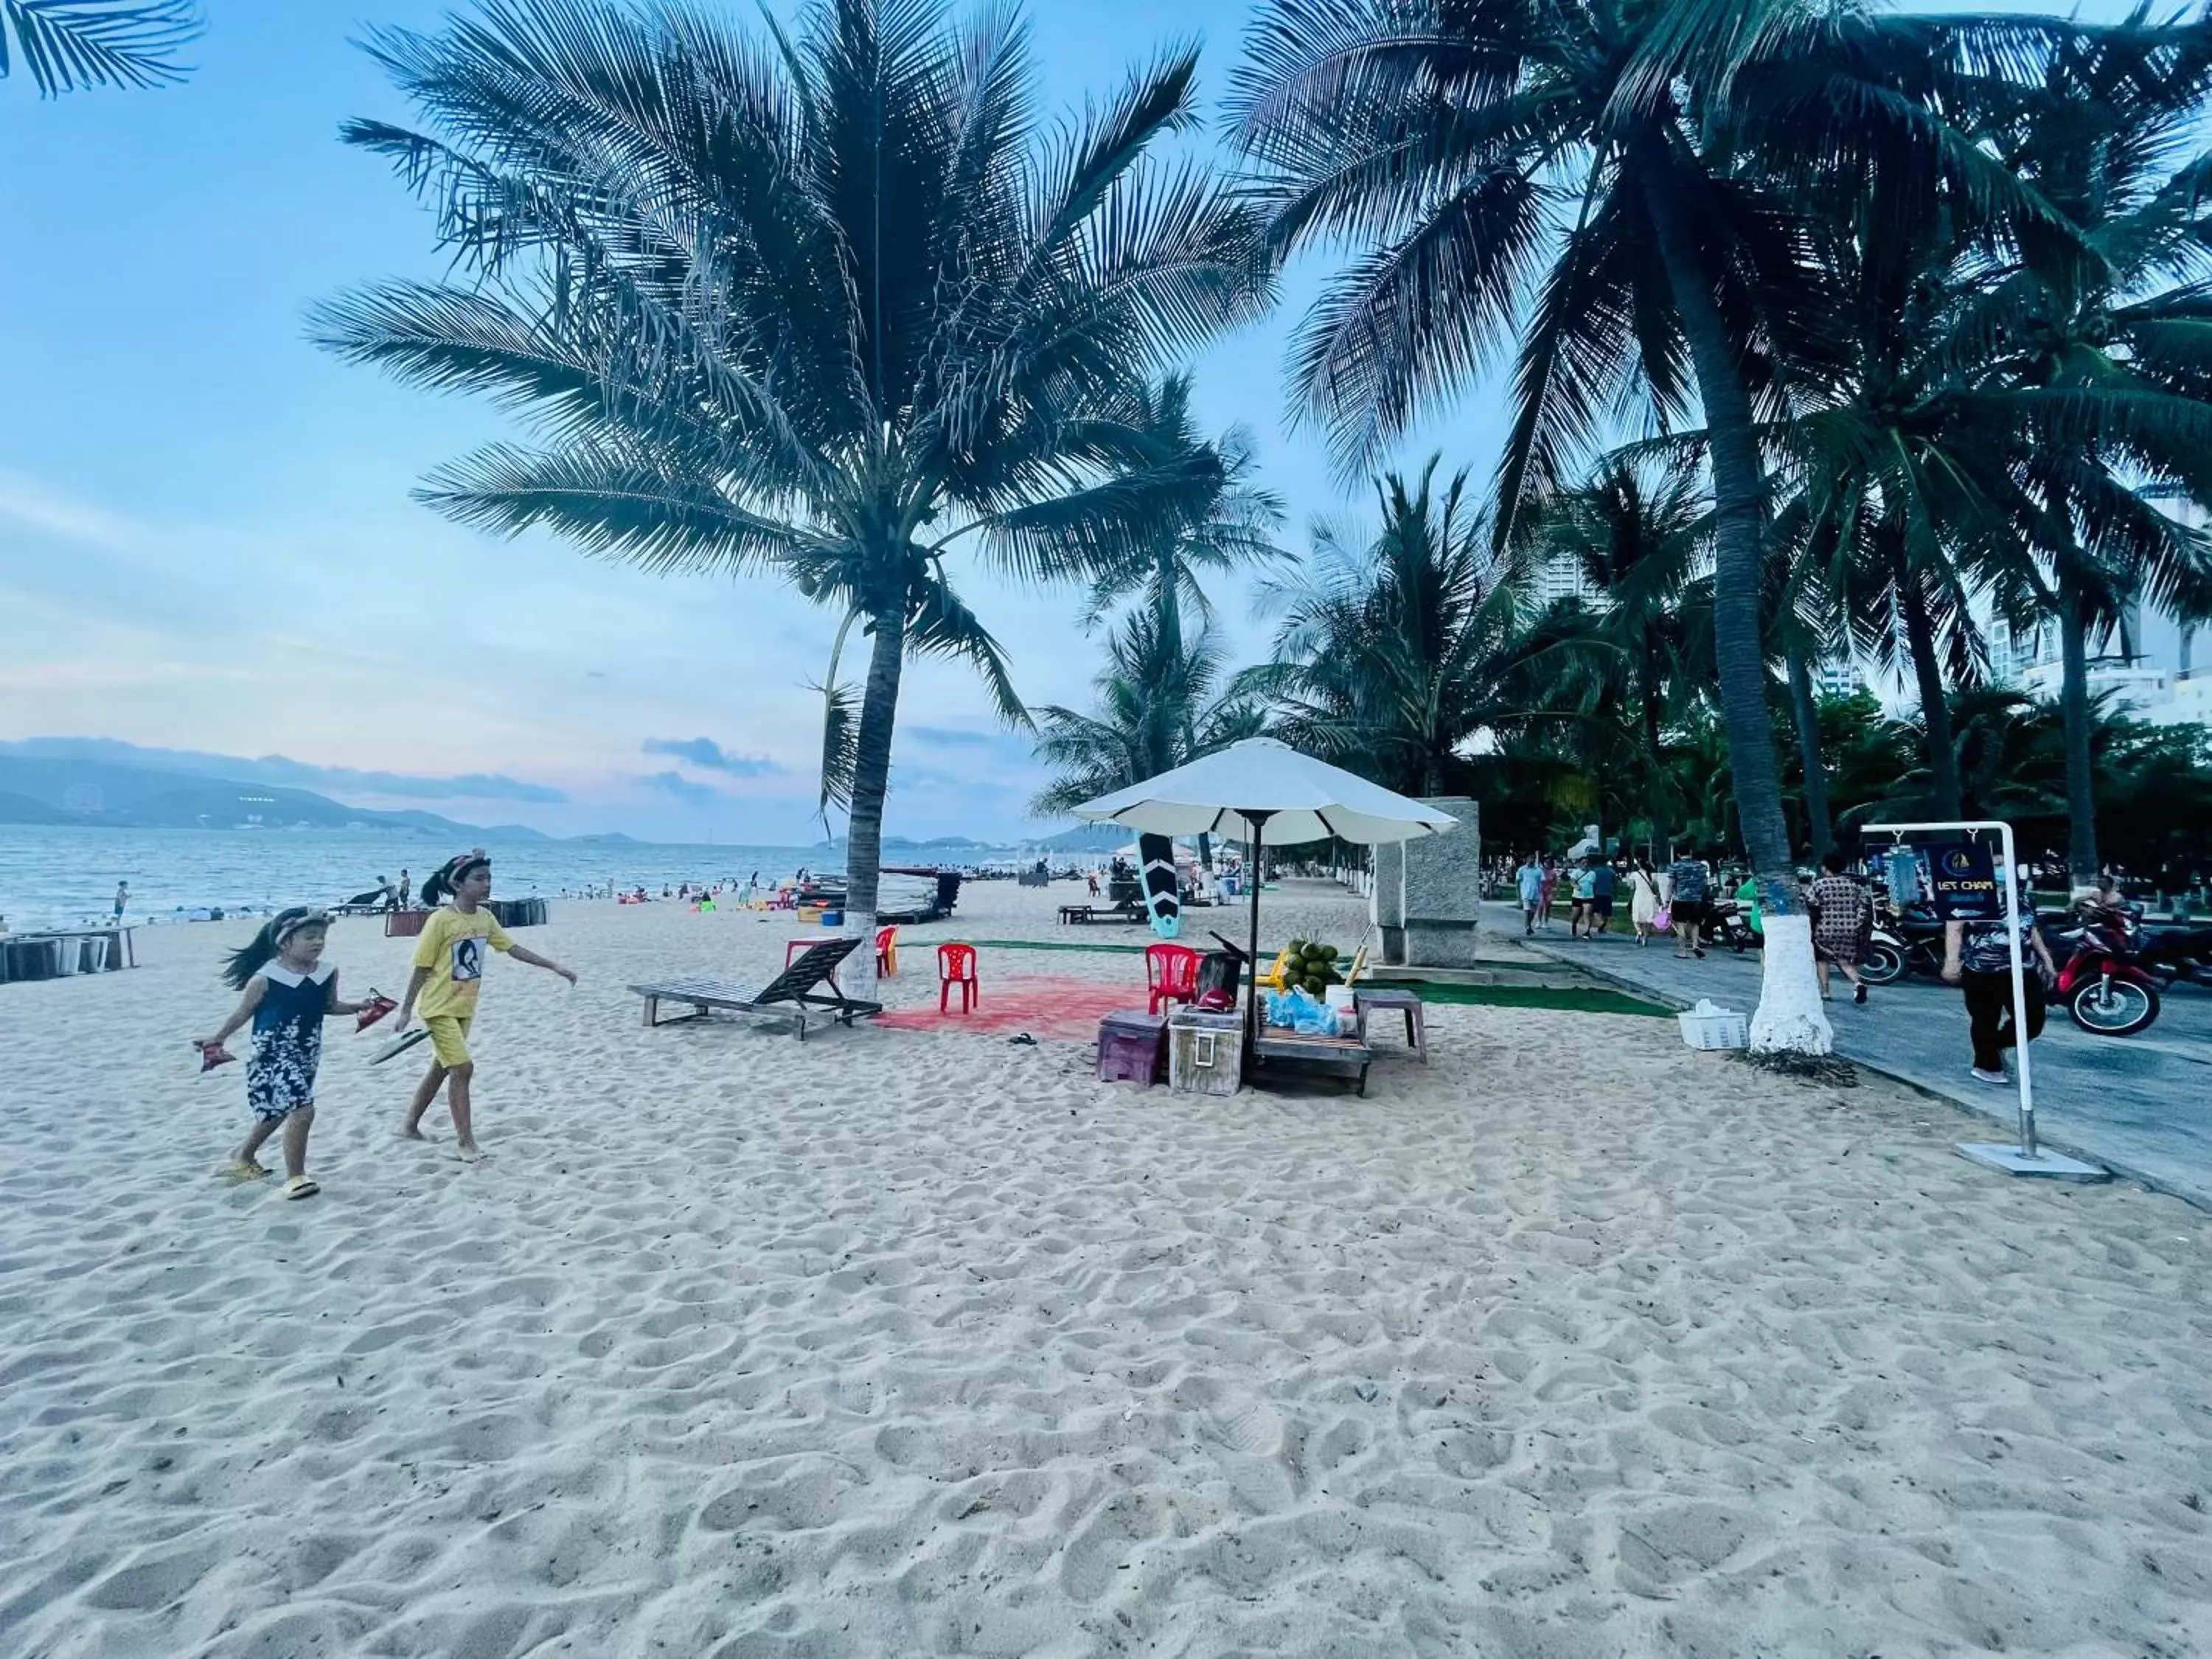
(794,990)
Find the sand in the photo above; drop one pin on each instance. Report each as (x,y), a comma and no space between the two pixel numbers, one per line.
(1573,1343)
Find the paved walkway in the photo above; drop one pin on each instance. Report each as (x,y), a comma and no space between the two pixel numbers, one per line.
(2141,1105)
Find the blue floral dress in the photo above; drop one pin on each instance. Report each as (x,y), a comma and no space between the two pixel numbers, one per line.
(288,1041)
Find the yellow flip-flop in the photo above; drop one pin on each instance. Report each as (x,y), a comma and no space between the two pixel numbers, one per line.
(236,1171)
(300,1187)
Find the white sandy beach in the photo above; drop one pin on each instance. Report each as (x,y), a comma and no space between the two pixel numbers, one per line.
(1572,1344)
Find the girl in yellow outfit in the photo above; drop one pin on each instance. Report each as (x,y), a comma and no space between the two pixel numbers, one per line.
(449,964)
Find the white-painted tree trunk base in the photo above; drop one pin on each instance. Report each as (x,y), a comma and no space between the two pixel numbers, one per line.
(1789,1019)
(857,974)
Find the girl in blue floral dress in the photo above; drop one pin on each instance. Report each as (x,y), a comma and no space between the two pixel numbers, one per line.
(289,992)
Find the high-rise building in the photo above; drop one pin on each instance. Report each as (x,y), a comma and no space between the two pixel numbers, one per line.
(1560,577)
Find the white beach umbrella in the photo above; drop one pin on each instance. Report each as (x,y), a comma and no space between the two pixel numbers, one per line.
(1258,788)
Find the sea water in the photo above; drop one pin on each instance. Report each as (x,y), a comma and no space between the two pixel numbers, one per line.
(60,875)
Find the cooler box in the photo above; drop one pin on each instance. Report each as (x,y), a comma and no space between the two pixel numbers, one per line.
(1132,1047)
(1205,1052)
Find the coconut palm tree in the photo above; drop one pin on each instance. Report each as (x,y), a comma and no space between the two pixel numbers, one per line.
(1233,525)
(1636,534)
(66,44)
(835,305)
(1656,165)
(1392,659)
(1163,701)
(2109,135)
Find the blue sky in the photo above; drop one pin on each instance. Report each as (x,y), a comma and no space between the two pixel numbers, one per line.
(205,537)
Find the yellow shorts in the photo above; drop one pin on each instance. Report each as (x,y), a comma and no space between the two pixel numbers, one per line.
(449,1035)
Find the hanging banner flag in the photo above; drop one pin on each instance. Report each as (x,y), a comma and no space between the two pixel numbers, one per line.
(1963,884)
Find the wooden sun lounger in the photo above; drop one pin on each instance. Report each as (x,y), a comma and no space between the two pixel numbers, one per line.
(1083,915)
(796,989)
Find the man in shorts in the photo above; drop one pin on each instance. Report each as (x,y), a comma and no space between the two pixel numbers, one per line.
(1603,884)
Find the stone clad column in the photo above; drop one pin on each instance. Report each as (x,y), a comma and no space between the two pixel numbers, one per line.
(1386,904)
(1440,899)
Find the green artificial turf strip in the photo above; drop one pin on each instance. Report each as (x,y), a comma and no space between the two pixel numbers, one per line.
(1594,1000)
(1055,945)
(1566,998)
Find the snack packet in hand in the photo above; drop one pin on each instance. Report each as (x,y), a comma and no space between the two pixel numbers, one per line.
(213,1054)
(378,1006)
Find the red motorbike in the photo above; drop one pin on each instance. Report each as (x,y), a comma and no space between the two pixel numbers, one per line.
(2104,988)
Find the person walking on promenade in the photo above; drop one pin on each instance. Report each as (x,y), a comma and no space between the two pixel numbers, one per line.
(1691,884)
(1644,898)
(1529,878)
(1978,958)
(1842,917)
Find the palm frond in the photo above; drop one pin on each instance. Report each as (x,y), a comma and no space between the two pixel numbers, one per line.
(70,44)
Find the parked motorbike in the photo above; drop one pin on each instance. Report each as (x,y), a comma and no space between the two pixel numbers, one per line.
(2174,950)
(2104,988)
(1910,942)
(1884,961)
(1729,923)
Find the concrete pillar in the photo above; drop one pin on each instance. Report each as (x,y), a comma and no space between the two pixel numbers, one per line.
(1439,879)
(1386,902)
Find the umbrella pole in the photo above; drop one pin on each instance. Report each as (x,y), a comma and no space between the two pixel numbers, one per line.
(1258,822)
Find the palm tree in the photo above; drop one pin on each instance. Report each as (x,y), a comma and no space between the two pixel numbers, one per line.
(66,44)
(825,305)
(2120,337)
(1393,660)
(1163,701)
(1232,524)
(1468,144)
(1636,538)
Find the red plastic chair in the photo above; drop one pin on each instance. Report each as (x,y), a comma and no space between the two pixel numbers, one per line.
(887,951)
(1171,972)
(956,965)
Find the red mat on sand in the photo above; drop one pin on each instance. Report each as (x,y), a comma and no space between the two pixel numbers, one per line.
(1042,1006)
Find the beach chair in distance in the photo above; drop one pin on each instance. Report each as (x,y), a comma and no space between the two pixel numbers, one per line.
(796,990)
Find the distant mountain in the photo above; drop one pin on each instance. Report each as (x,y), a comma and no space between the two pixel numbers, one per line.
(61,790)
(22,809)
(1089,838)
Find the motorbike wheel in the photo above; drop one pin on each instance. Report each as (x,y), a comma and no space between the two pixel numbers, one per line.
(2119,1009)
(1884,964)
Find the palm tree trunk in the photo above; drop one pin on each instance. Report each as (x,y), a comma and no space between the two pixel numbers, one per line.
(1789,1018)
(1807,713)
(2074,710)
(864,846)
(1934,705)
(1655,795)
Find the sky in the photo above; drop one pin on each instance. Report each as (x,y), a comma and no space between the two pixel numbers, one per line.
(207,543)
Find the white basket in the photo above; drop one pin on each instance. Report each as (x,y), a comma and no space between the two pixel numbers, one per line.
(1721,1028)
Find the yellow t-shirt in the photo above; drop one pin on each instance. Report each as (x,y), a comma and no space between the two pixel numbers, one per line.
(452,947)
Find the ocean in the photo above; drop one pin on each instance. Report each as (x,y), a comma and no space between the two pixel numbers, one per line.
(56,876)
